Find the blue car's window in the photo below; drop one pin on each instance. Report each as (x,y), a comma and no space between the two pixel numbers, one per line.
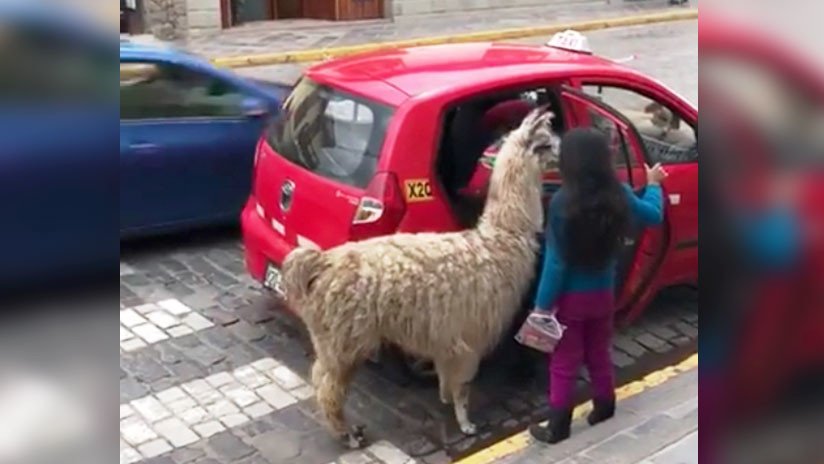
(160,91)
(330,133)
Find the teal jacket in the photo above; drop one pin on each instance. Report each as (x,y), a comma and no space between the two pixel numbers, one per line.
(557,278)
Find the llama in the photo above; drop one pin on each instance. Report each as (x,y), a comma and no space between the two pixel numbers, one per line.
(448,297)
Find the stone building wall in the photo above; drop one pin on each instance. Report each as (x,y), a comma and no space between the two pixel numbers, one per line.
(177,19)
(166,19)
(203,15)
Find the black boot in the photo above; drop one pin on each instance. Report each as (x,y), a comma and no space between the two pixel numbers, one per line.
(560,421)
(601,411)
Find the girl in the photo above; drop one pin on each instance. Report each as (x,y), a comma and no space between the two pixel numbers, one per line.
(587,220)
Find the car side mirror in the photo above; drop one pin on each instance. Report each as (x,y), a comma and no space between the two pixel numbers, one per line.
(254,107)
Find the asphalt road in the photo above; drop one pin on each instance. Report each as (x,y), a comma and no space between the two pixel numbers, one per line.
(212,370)
(667,51)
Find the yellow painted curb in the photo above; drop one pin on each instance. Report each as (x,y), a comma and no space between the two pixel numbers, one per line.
(319,54)
(521,440)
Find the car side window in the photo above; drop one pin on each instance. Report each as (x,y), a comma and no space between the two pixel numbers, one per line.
(623,160)
(154,90)
(667,139)
(618,145)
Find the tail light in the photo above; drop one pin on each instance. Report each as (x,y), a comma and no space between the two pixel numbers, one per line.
(380,209)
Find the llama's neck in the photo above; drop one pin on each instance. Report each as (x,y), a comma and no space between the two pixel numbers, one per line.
(514,201)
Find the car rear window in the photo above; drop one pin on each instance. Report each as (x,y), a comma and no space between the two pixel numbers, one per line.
(331,133)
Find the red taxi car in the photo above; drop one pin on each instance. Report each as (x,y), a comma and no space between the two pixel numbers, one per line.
(389,141)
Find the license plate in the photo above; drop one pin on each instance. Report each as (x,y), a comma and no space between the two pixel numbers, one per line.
(272,279)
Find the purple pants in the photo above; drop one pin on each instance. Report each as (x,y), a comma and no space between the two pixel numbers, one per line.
(587,341)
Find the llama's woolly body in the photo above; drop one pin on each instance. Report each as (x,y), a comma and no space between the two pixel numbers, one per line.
(435,295)
(443,296)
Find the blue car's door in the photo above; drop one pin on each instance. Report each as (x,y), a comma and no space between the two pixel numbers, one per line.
(187,144)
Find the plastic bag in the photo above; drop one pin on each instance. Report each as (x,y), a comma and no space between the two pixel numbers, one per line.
(541,331)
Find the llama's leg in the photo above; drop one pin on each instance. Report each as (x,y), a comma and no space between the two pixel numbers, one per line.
(333,381)
(355,438)
(464,370)
(316,374)
(317,369)
(441,368)
(330,394)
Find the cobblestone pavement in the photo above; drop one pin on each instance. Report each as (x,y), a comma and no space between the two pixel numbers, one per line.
(213,371)
(289,35)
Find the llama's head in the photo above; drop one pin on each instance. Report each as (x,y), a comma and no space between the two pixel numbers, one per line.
(534,139)
(514,200)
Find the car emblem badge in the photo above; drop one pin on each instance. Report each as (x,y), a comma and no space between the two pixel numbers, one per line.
(287,190)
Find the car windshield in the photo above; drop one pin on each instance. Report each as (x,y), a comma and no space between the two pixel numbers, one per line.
(331,133)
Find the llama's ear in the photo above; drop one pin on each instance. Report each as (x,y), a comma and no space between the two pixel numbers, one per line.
(546,118)
(529,121)
(535,119)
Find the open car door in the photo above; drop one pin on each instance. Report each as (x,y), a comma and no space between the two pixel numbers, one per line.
(644,247)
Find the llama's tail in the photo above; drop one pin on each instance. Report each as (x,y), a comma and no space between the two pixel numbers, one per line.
(300,268)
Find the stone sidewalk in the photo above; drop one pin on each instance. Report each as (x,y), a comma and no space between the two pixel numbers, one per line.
(292,35)
(684,451)
(657,426)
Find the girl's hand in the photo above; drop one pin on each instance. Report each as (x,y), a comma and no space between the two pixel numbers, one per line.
(655,174)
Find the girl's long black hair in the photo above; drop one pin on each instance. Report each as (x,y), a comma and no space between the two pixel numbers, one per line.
(597,213)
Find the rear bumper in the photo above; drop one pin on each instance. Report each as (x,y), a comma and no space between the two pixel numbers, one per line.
(261,243)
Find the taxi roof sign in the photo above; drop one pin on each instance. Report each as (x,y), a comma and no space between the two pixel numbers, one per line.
(570,40)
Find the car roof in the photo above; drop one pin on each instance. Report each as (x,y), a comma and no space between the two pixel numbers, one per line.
(136,50)
(415,71)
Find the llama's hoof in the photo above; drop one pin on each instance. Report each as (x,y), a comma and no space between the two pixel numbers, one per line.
(355,439)
(469,428)
(446,400)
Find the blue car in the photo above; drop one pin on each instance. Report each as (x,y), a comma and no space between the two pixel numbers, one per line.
(58,172)
(188,132)
(187,137)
